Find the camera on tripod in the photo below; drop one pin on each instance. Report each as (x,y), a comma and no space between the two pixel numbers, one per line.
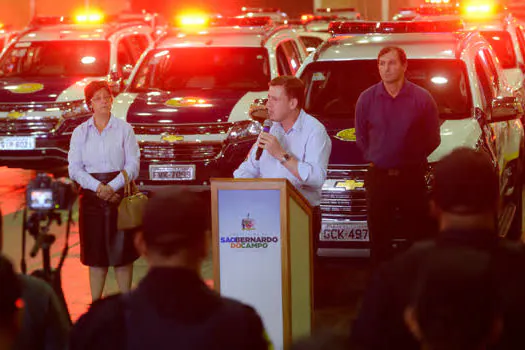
(45,197)
(47,194)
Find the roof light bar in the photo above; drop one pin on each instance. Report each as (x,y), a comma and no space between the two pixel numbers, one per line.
(312,18)
(364,27)
(241,21)
(329,9)
(260,9)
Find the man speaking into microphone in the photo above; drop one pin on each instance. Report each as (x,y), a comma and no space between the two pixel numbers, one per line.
(296,146)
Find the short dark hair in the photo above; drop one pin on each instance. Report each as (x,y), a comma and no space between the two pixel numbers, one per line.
(400,53)
(456,299)
(176,220)
(93,87)
(293,86)
(466,182)
(10,292)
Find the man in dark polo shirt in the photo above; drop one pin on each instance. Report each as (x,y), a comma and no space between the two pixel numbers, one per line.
(397,128)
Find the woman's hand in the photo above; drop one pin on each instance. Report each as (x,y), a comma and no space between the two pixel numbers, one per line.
(105,192)
(115,198)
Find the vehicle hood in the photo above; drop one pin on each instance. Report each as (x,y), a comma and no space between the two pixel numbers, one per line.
(454,133)
(185,106)
(20,90)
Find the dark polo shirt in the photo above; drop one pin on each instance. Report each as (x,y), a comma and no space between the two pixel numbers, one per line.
(397,132)
(172,308)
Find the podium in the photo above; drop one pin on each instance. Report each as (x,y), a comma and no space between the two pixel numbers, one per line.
(262,252)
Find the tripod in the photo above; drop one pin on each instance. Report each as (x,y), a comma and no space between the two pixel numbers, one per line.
(38,226)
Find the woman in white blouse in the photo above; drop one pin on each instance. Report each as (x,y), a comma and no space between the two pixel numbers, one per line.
(100,149)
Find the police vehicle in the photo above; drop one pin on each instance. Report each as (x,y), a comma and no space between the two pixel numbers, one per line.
(189,96)
(43,73)
(507,38)
(275,14)
(477,108)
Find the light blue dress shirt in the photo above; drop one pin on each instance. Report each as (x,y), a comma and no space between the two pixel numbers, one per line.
(114,149)
(308,142)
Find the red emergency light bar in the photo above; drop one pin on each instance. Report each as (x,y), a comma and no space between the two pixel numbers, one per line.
(312,18)
(364,27)
(260,9)
(437,10)
(329,9)
(241,21)
(50,20)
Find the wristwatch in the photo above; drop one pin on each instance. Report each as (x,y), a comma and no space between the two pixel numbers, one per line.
(286,157)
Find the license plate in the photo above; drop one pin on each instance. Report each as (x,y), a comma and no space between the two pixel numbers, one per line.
(172,172)
(14,143)
(344,232)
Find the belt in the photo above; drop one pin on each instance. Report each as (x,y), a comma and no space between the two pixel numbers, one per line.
(105,177)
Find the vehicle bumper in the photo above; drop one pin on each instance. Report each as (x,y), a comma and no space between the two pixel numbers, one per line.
(48,153)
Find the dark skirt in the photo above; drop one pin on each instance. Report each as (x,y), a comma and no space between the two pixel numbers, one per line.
(101,244)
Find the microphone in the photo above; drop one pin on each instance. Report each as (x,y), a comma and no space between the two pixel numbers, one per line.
(266,128)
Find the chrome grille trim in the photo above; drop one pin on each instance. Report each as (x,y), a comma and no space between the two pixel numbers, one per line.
(27,127)
(180,152)
(342,203)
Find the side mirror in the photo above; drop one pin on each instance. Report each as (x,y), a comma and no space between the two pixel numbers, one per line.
(505,108)
(126,71)
(258,110)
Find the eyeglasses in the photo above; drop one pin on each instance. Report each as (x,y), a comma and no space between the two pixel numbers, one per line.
(103,98)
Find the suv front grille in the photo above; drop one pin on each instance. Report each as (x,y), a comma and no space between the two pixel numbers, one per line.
(21,127)
(182,129)
(180,152)
(342,196)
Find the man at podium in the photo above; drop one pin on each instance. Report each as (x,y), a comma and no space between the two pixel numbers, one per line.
(297,146)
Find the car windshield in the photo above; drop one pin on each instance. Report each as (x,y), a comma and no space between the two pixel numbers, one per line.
(334,87)
(56,59)
(501,42)
(204,68)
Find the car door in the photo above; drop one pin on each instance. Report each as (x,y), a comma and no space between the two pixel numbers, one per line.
(507,133)
(487,93)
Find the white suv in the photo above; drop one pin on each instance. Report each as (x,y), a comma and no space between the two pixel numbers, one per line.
(189,96)
(477,107)
(43,73)
(507,38)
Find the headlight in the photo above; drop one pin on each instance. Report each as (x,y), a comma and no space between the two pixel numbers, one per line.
(75,109)
(73,114)
(244,129)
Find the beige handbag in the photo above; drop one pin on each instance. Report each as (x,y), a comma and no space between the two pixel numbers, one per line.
(131,208)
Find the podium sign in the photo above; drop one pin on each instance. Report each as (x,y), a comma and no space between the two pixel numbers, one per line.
(250,250)
(253,259)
